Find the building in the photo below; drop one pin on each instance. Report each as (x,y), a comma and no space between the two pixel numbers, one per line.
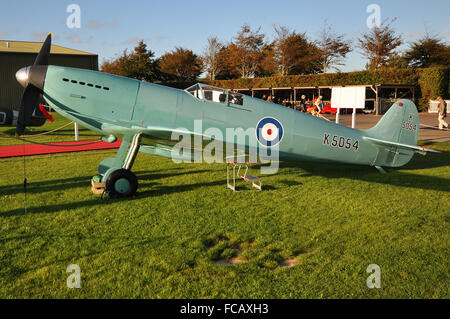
(17,54)
(379,97)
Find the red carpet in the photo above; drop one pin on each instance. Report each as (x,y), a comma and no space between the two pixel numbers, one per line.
(36,149)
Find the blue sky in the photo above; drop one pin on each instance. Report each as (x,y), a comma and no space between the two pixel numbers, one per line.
(108,27)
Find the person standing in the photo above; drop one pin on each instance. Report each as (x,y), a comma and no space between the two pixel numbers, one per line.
(303,103)
(442,113)
(319,104)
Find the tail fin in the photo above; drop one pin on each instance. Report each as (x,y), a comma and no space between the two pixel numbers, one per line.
(400,124)
(396,134)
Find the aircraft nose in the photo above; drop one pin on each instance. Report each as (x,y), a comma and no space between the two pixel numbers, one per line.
(22,76)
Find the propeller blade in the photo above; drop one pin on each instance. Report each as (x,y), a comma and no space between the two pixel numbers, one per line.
(42,58)
(31,94)
(30,101)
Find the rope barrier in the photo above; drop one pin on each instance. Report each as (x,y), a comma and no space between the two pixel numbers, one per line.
(48,132)
(317,114)
(47,144)
(45,133)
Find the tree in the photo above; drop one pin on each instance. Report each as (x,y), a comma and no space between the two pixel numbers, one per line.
(333,48)
(111,66)
(293,53)
(268,64)
(212,58)
(246,52)
(182,63)
(139,64)
(397,61)
(229,58)
(379,44)
(426,52)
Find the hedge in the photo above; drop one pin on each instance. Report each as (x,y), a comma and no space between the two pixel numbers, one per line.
(430,82)
(433,82)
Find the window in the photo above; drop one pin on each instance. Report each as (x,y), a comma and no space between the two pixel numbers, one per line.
(74,81)
(105,88)
(235,98)
(65,80)
(82,83)
(90,84)
(98,87)
(194,90)
(207,92)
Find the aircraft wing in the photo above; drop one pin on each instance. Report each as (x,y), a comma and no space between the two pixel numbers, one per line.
(155,131)
(415,148)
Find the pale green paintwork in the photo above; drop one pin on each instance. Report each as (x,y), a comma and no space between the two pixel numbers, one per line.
(130,107)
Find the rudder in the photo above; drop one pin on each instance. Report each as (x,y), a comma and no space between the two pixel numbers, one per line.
(400,124)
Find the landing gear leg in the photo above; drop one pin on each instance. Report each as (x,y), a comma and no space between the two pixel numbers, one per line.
(114,174)
(381,169)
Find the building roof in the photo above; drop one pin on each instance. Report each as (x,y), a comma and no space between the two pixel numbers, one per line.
(382,86)
(34,47)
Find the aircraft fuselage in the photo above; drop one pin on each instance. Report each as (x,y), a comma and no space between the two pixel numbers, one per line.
(100,101)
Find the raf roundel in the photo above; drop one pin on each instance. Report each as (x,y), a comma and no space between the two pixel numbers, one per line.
(269,131)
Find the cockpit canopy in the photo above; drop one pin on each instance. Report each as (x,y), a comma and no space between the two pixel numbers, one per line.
(215,94)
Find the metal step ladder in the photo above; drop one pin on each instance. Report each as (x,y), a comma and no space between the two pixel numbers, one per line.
(235,168)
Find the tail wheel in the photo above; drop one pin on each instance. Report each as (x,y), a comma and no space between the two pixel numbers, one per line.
(122,183)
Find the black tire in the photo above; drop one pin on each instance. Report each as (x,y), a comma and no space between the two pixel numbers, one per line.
(117,187)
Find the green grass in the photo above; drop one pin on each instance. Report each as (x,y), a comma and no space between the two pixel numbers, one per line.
(164,242)
(63,135)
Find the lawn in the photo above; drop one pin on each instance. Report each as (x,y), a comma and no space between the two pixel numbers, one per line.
(65,134)
(172,240)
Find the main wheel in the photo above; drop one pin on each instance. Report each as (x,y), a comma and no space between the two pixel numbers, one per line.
(121,183)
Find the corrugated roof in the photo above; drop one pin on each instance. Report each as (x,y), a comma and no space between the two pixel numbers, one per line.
(34,47)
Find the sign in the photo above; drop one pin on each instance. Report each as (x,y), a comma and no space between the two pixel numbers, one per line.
(348,97)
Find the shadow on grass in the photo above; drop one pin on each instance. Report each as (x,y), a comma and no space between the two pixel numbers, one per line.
(395,176)
(156,191)
(154,175)
(164,190)
(34,187)
(290,182)
(55,208)
(431,160)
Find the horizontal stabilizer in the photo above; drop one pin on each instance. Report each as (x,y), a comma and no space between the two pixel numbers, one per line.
(415,148)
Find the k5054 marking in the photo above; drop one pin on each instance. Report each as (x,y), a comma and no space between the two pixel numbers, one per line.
(409,126)
(340,141)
